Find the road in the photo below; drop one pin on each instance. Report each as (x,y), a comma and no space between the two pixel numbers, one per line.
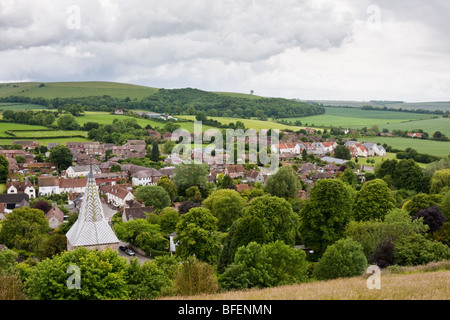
(109,212)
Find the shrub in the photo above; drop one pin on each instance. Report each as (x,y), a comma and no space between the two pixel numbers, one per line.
(383,255)
(345,258)
(431,217)
(266,265)
(416,249)
(195,277)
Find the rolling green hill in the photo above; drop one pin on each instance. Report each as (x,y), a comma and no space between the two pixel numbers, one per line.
(75,90)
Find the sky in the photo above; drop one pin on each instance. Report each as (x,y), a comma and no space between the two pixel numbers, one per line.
(310,50)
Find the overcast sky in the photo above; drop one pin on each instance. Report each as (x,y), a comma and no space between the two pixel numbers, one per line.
(319,50)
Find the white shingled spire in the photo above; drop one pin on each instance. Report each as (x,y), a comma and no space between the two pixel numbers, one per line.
(91,228)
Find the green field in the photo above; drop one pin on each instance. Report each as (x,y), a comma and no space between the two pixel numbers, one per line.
(356,118)
(19,106)
(249,123)
(437,105)
(107,118)
(16,126)
(429,126)
(437,148)
(75,89)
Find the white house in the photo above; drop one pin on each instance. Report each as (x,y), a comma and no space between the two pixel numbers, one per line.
(74,186)
(48,186)
(145,177)
(81,171)
(21,187)
(374,149)
(118,196)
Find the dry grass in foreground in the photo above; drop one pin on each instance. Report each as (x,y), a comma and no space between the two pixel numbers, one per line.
(415,286)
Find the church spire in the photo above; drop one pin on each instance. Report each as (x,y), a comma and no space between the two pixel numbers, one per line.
(91,228)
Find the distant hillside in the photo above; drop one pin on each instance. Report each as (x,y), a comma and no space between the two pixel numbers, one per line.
(439,105)
(51,90)
(104,96)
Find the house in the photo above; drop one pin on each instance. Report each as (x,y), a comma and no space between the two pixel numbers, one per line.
(154,135)
(55,217)
(9,202)
(109,178)
(73,186)
(118,112)
(48,186)
(307,168)
(357,149)
(242,187)
(13,166)
(320,176)
(117,195)
(81,171)
(168,172)
(374,150)
(415,135)
(21,187)
(289,147)
(329,146)
(135,212)
(12,153)
(255,176)
(234,170)
(149,176)
(26,144)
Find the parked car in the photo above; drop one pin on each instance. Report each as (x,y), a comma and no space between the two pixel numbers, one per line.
(130,252)
(123,248)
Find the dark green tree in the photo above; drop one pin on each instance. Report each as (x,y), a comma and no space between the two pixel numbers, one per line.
(325,215)
(373,201)
(62,156)
(284,183)
(342,152)
(197,235)
(4,168)
(154,156)
(345,258)
(155,196)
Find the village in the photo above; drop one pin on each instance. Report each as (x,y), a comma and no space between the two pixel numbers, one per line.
(28,179)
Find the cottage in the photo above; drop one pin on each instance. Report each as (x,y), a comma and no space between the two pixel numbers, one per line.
(73,186)
(117,196)
(21,187)
(26,144)
(149,176)
(135,212)
(55,217)
(48,186)
(234,171)
(81,171)
(9,202)
(255,176)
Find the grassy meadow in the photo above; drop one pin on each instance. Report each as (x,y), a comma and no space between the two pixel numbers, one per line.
(356,118)
(405,286)
(19,106)
(107,118)
(437,148)
(249,123)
